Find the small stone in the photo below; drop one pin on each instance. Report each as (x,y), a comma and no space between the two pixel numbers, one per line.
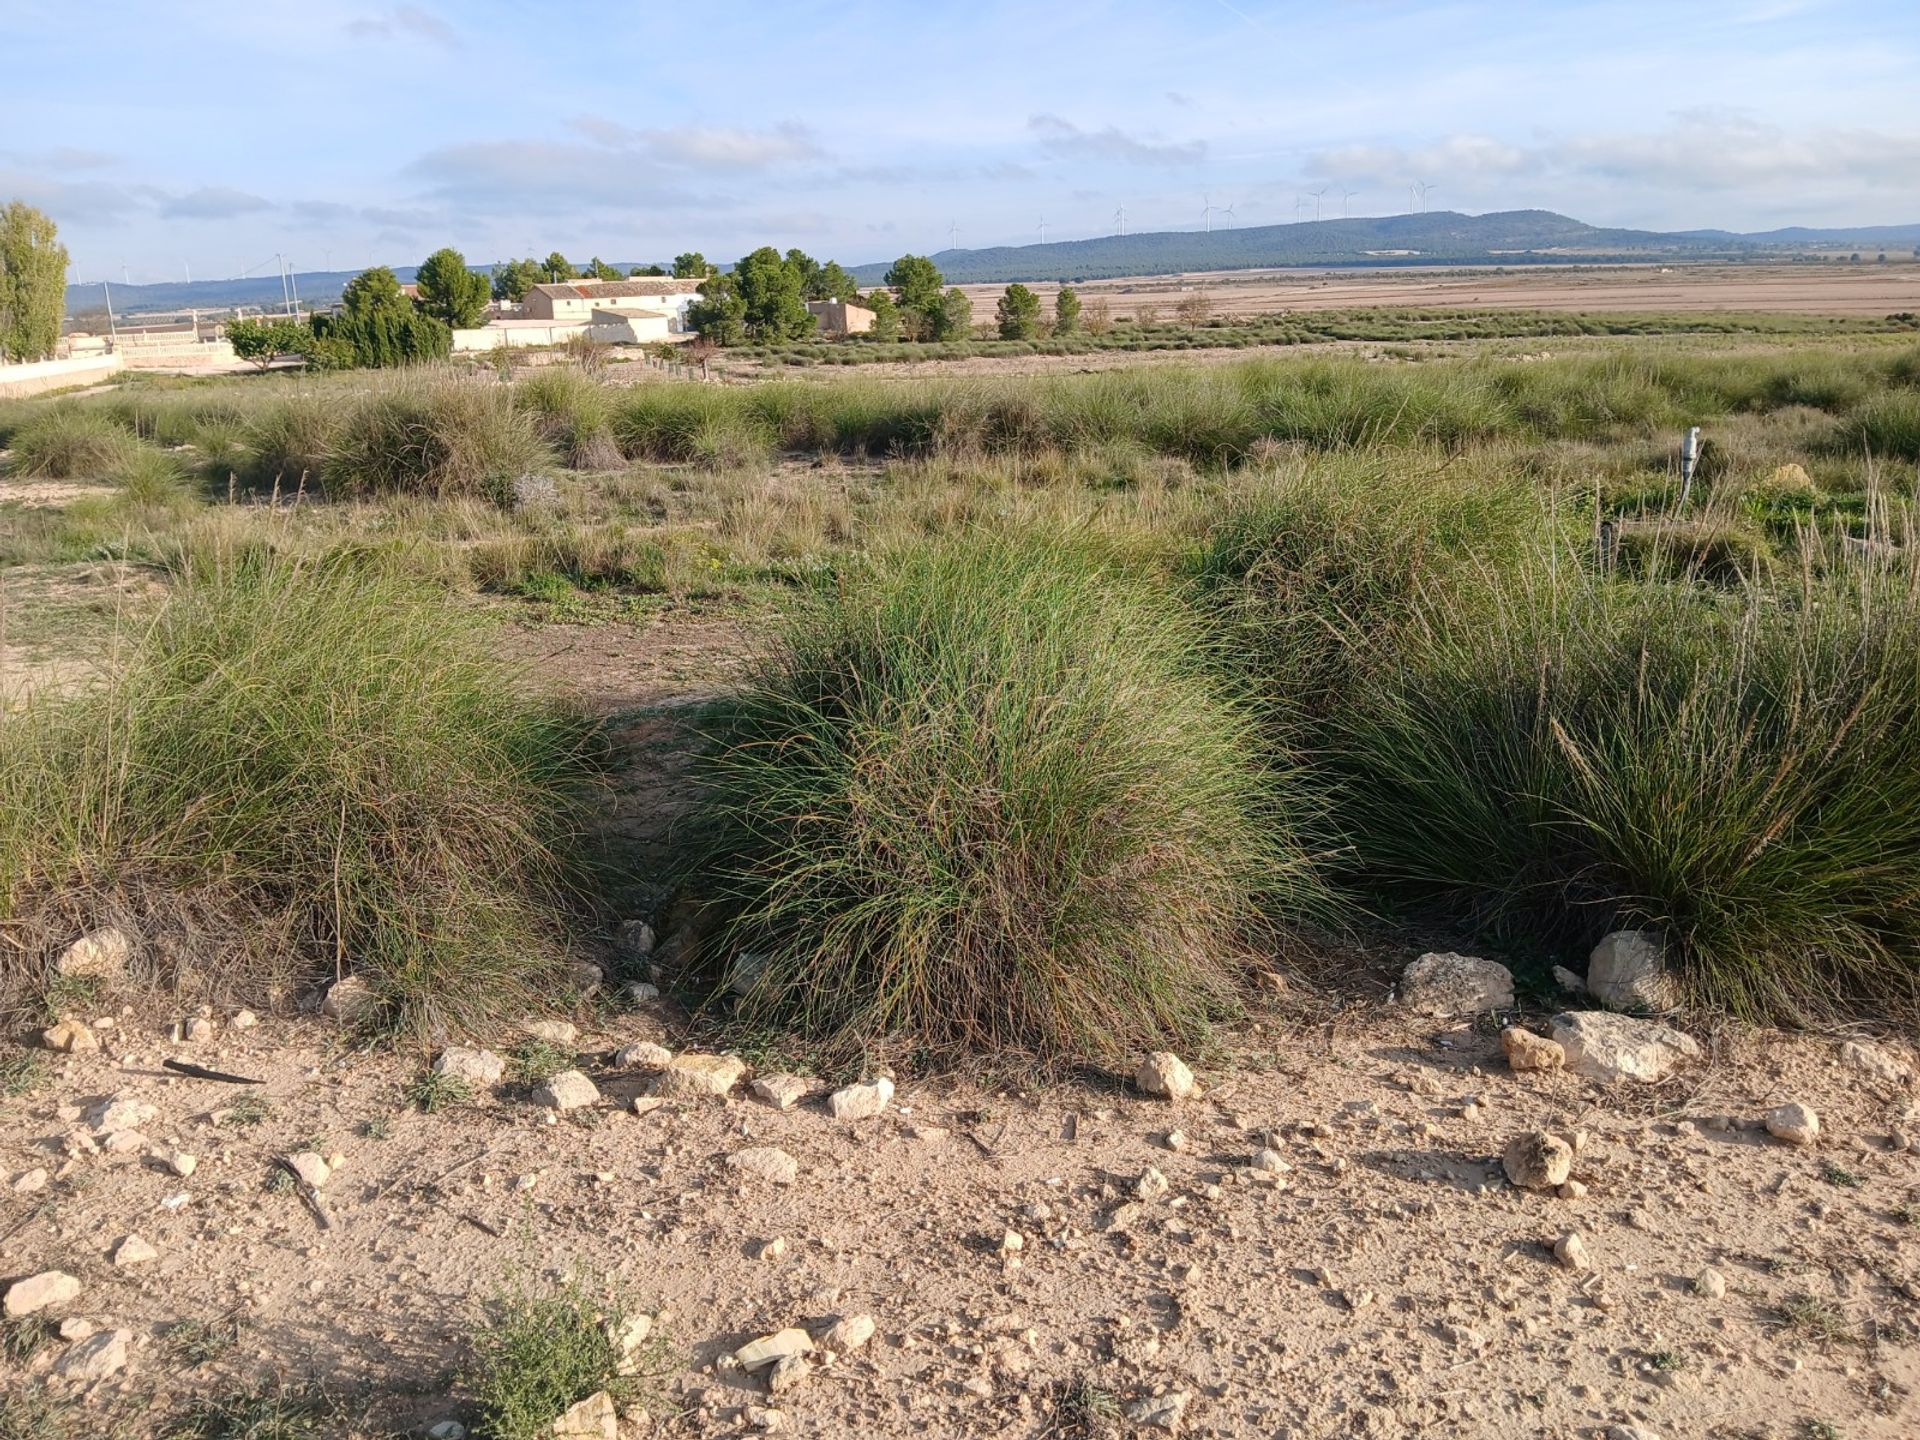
(1604,1046)
(1571,1251)
(349,1000)
(569,1090)
(30,1182)
(769,1162)
(479,1068)
(132,1250)
(1164,1074)
(124,1142)
(1162,1412)
(585,978)
(594,1418)
(783,1092)
(1573,1190)
(243,1020)
(1177,1142)
(1875,1062)
(763,1417)
(641,992)
(862,1101)
(642,1055)
(101,955)
(197,1031)
(180,1163)
(770,1349)
(1012,1243)
(38,1292)
(1710,1284)
(70,1037)
(628,1337)
(1795,1123)
(1270,1165)
(774,1249)
(95,1358)
(698,1074)
(311,1167)
(1568,981)
(1628,971)
(788,1371)
(1151,1185)
(847,1334)
(119,1112)
(1537,1160)
(1631,1432)
(1448,984)
(635,940)
(77,1327)
(447,1430)
(1527,1051)
(553,1032)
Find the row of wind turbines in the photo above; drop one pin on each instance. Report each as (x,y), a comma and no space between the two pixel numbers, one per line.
(1418,192)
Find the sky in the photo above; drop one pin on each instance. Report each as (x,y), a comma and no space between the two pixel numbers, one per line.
(205,137)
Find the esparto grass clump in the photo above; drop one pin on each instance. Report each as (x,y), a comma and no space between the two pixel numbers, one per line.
(991,798)
(300,767)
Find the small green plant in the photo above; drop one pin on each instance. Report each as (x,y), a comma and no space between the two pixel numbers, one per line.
(22,1336)
(277,1412)
(22,1071)
(379,1127)
(1823,1430)
(1839,1175)
(434,1092)
(1819,1319)
(247,1111)
(67,995)
(29,1413)
(279,1180)
(535,1060)
(1666,1361)
(196,1342)
(537,1355)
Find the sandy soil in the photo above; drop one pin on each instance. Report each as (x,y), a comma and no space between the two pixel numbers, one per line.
(1396,1285)
(1867,289)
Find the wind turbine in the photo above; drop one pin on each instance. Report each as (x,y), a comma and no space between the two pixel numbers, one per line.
(1206,212)
(953,234)
(1425,190)
(1120,218)
(1228,212)
(1345,197)
(1412,204)
(1299,206)
(1043,229)
(1316,202)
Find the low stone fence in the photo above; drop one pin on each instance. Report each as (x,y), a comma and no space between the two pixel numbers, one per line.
(36,377)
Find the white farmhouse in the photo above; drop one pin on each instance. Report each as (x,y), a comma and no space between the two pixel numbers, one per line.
(577,301)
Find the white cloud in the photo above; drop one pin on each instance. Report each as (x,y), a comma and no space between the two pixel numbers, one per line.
(1064,138)
(406,22)
(715,147)
(212,202)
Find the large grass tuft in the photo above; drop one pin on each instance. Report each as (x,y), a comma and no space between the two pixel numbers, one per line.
(574,415)
(299,767)
(68,441)
(1742,772)
(437,434)
(991,799)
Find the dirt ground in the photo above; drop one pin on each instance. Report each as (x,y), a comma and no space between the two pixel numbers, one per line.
(1826,289)
(1395,1285)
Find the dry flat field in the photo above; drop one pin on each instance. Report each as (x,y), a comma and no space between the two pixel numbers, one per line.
(1814,289)
(645,880)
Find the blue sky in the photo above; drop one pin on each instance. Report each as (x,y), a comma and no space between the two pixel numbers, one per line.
(211,134)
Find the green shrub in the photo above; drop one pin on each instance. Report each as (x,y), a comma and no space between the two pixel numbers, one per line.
(1740,772)
(301,765)
(437,435)
(1887,427)
(538,1355)
(991,799)
(574,416)
(71,441)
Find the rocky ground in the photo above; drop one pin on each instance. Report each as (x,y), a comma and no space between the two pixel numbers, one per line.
(1325,1237)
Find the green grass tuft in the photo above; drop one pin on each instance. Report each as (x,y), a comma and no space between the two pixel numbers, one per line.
(537,1355)
(991,799)
(330,760)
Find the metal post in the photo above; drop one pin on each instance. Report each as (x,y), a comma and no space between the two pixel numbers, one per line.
(1689,457)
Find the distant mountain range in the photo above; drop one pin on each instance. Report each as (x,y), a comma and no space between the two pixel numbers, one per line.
(1509,237)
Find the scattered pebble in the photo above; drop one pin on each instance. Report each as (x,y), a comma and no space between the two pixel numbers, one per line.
(1165,1074)
(1795,1123)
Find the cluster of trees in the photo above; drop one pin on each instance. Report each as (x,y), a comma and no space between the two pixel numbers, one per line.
(33,283)
(377,324)
(1018,313)
(514,279)
(764,296)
